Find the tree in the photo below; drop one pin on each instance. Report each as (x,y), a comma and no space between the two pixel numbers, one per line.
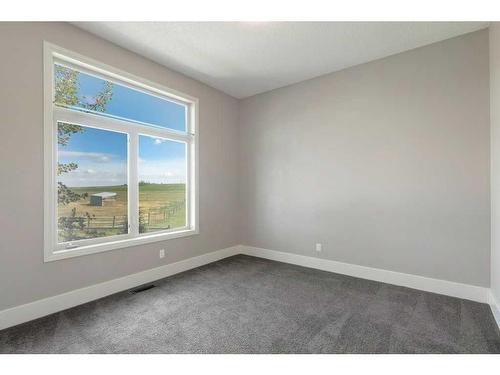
(70,225)
(143,226)
(66,95)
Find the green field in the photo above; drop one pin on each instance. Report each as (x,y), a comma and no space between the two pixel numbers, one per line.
(162,206)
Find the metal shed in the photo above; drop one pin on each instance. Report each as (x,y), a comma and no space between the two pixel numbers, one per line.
(102,199)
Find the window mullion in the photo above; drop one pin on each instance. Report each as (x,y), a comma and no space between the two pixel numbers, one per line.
(133,183)
(94,120)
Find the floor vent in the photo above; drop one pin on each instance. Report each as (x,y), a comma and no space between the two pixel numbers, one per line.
(142,289)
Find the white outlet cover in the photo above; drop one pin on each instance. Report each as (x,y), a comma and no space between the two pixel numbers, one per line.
(319,247)
(162,253)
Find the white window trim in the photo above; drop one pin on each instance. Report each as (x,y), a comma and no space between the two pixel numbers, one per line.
(54,251)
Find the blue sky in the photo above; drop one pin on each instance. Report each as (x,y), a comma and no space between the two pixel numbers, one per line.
(101,155)
(135,105)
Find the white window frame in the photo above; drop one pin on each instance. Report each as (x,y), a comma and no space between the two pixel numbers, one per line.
(52,114)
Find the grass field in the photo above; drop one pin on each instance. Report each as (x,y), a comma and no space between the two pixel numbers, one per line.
(160,205)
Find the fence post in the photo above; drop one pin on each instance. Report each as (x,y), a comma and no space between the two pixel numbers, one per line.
(114,221)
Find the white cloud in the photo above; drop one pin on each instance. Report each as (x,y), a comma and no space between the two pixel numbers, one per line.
(159,141)
(92,172)
(98,156)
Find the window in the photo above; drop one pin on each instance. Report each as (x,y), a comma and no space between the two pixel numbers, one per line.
(120,158)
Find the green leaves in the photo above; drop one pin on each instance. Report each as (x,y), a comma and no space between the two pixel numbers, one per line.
(71,224)
(66,91)
(65,131)
(66,86)
(65,168)
(65,195)
(101,99)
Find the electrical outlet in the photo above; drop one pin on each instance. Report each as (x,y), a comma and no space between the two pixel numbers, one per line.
(162,253)
(319,247)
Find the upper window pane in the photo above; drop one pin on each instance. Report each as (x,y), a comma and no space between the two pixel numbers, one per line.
(85,92)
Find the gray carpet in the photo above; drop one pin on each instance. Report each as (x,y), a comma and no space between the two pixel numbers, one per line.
(244,304)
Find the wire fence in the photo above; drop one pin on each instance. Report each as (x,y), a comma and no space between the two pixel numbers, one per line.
(106,222)
(161,216)
(153,217)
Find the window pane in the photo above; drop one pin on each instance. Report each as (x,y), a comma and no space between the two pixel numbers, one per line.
(82,91)
(162,184)
(92,183)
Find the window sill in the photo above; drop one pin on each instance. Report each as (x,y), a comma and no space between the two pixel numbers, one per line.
(107,246)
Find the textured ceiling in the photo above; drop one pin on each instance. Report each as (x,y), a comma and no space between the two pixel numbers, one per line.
(245,58)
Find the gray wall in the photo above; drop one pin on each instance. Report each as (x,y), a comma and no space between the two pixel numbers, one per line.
(386,164)
(23,275)
(495,156)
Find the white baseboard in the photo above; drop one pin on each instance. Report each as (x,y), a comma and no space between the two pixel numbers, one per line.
(465,291)
(495,308)
(33,310)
